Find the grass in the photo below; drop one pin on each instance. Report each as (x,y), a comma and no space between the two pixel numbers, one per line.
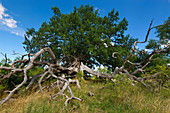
(119,97)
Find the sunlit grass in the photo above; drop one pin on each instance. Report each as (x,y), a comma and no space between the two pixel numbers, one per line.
(113,98)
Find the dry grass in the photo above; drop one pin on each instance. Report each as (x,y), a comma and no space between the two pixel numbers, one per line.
(114,98)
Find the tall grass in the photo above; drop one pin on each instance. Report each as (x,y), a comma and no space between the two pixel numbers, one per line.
(120,97)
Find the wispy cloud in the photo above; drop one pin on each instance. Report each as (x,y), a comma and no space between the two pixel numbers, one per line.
(15,33)
(148,50)
(6,19)
(168,1)
(96,8)
(99,10)
(8,23)
(163,46)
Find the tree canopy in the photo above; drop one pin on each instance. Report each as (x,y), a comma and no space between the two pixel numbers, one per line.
(163,34)
(83,35)
(161,42)
(68,45)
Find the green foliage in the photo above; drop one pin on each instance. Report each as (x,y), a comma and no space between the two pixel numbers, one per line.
(10,82)
(35,71)
(5,62)
(161,80)
(104,70)
(113,98)
(80,76)
(152,44)
(17,78)
(158,68)
(83,34)
(163,34)
(164,31)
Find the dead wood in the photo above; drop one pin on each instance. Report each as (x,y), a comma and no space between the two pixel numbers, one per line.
(62,82)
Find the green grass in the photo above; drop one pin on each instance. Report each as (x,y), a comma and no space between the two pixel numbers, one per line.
(120,97)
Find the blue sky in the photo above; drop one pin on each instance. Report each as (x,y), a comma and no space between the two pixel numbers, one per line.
(18,15)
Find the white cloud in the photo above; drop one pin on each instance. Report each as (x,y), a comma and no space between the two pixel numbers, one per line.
(99,10)
(148,50)
(6,19)
(165,45)
(105,45)
(95,8)
(168,65)
(168,43)
(2,10)
(96,68)
(13,32)
(10,22)
(17,31)
(112,43)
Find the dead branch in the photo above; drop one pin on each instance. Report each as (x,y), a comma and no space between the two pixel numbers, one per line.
(96,73)
(62,82)
(6,59)
(50,70)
